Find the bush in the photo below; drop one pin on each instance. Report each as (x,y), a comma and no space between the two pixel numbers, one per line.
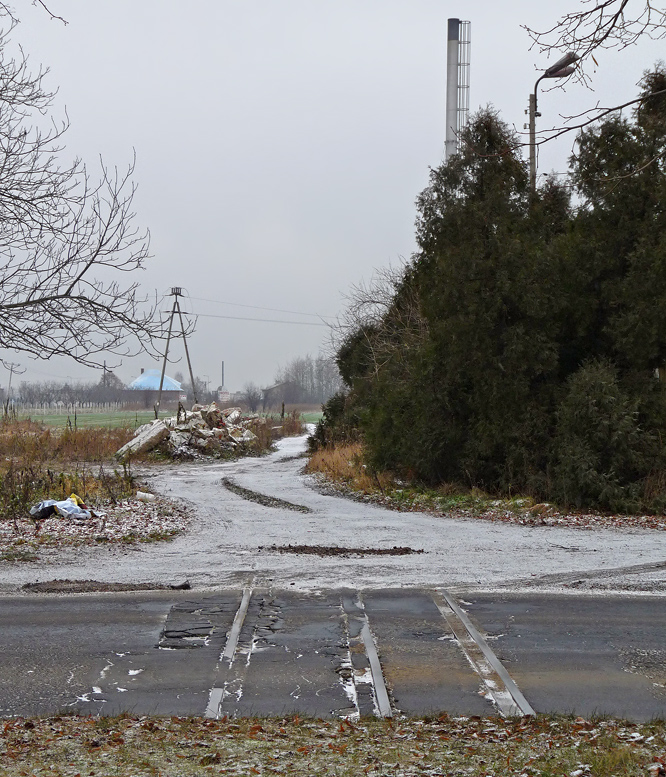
(339,423)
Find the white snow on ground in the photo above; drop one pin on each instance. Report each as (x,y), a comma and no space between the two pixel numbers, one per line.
(220,549)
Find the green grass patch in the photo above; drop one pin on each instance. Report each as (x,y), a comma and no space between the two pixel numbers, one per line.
(110,420)
(312,418)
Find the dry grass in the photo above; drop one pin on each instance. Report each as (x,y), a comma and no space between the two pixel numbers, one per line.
(345,464)
(38,462)
(28,443)
(343,469)
(292,424)
(128,746)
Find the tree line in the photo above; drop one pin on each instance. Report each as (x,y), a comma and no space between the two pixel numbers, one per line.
(309,380)
(521,347)
(305,380)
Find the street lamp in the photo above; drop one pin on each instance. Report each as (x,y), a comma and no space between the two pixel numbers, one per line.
(563,67)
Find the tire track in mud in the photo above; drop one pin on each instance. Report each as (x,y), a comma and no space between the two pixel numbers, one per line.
(263,499)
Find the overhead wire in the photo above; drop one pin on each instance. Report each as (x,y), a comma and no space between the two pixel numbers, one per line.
(265,320)
(260,307)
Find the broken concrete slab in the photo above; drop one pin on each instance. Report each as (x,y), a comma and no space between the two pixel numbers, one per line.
(232,414)
(205,430)
(149,437)
(212,415)
(176,439)
(242,435)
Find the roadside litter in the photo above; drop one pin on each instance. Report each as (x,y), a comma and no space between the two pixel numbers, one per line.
(206,429)
(72,507)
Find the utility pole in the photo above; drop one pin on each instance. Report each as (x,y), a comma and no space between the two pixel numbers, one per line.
(532,126)
(13,368)
(562,68)
(176,292)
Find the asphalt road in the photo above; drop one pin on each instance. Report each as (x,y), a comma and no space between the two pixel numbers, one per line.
(337,652)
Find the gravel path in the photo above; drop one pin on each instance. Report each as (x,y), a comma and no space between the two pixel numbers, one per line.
(221,547)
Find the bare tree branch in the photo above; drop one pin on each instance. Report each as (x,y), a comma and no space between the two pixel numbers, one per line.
(386,313)
(49,11)
(7,11)
(64,239)
(556,132)
(603,24)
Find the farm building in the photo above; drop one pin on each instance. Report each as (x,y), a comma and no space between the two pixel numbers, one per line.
(145,389)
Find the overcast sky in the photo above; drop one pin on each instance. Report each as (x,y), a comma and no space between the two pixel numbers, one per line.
(281,144)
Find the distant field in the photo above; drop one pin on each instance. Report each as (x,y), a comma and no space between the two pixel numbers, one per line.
(312,418)
(120,418)
(112,418)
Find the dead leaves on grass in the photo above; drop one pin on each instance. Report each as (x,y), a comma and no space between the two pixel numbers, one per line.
(546,745)
(128,522)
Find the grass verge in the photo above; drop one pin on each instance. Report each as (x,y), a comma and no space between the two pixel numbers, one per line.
(129,746)
(342,468)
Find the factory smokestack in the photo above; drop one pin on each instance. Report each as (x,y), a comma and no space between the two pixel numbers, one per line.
(457,83)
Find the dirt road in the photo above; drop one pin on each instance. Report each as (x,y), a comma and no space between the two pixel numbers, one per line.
(245,511)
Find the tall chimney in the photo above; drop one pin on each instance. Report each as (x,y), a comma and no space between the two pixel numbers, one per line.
(457,83)
(452,51)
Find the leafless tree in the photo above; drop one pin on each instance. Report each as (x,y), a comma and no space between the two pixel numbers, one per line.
(64,239)
(386,313)
(309,380)
(252,396)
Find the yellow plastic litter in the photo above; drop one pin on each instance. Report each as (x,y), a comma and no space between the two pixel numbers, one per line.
(76,499)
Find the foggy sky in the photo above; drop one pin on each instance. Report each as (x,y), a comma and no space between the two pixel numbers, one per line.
(281,144)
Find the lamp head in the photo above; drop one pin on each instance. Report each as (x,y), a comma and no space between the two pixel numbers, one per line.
(562,66)
(565,71)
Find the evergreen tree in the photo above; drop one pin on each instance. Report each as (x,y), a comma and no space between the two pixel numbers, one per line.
(518,349)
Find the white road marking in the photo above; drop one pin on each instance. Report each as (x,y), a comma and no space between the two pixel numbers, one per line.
(508,699)
(214,700)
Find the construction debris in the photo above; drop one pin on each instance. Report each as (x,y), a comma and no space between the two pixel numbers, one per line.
(206,429)
(145,439)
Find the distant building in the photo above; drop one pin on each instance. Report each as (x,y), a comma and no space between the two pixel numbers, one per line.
(274,396)
(223,396)
(146,388)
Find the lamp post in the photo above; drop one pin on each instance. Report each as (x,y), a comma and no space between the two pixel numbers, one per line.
(563,67)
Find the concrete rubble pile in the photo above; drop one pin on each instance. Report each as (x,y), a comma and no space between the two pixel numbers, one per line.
(206,429)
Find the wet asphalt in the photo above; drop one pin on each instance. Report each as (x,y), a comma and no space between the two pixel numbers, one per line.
(326,653)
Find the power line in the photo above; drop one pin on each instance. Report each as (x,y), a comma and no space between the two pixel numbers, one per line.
(265,320)
(258,307)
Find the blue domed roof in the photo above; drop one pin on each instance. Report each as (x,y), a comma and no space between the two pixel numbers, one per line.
(150,380)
